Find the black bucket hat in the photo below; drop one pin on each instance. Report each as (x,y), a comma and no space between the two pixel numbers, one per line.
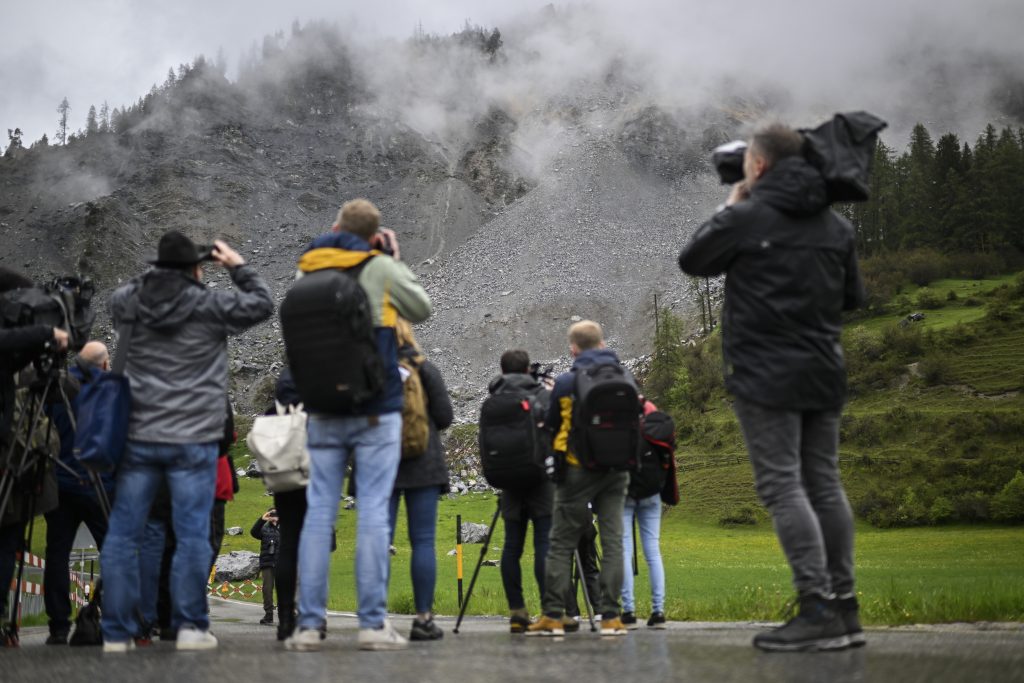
(178,251)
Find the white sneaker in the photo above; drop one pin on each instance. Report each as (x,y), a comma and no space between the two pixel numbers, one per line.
(118,646)
(194,639)
(383,638)
(304,640)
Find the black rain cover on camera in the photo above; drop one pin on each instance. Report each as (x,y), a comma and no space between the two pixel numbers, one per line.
(842,150)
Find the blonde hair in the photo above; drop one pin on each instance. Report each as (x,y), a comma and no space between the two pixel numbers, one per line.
(586,335)
(405,336)
(359,217)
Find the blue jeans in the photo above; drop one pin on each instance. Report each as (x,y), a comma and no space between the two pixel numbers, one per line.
(191,472)
(648,517)
(421,518)
(375,442)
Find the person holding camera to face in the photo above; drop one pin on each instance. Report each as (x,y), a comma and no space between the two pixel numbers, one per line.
(18,347)
(177,365)
(791,270)
(268,533)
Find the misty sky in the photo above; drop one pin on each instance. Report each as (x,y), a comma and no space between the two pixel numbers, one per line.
(831,55)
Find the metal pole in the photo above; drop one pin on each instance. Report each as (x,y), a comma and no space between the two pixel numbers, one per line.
(458,555)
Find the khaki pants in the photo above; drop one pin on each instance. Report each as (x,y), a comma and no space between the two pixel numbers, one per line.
(607,492)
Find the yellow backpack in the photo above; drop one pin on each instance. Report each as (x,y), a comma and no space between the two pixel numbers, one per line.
(415,425)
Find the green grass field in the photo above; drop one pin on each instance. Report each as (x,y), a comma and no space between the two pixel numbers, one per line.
(905,575)
(719,573)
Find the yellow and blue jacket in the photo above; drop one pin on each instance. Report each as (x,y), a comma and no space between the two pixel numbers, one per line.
(560,410)
(392,291)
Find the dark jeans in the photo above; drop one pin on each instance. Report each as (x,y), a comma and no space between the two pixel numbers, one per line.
(421,521)
(571,522)
(216,531)
(61,526)
(291,510)
(12,538)
(795,456)
(512,552)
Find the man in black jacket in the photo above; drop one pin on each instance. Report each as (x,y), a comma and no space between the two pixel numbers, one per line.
(790,272)
(519,507)
(267,531)
(18,346)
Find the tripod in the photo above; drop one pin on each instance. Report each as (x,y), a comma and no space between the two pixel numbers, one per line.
(26,460)
(480,561)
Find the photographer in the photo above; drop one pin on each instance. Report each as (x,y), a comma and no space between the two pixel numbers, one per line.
(267,532)
(790,271)
(18,347)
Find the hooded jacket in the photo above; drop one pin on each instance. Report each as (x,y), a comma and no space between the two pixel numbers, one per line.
(392,291)
(791,269)
(559,418)
(430,468)
(177,364)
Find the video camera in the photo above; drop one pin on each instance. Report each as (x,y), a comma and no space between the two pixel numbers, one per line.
(841,148)
(728,161)
(64,302)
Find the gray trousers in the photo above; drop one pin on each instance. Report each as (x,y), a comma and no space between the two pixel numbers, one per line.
(795,456)
(571,518)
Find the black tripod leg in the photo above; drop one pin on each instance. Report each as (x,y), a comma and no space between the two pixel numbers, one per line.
(479,563)
(586,591)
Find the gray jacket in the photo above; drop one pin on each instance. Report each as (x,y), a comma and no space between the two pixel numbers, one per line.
(177,363)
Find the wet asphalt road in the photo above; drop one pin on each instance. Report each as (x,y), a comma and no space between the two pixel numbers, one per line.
(484,651)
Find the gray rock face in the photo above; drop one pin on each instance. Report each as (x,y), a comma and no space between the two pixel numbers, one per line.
(238,565)
(474,533)
(234,531)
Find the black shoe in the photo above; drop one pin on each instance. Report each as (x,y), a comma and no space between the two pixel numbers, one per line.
(268,618)
(570,624)
(848,611)
(629,620)
(285,626)
(57,638)
(657,620)
(817,626)
(425,630)
(518,624)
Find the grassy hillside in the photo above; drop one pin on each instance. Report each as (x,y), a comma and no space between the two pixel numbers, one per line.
(933,430)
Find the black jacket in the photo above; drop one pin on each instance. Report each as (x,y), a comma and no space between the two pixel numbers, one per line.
(430,468)
(269,536)
(791,270)
(17,347)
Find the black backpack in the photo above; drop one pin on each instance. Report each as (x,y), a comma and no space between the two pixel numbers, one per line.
(513,446)
(605,431)
(656,458)
(329,340)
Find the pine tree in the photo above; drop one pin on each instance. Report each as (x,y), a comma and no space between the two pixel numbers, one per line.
(105,117)
(91,126)
(62,121)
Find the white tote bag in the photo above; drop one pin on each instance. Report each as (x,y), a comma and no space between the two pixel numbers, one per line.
(279,444)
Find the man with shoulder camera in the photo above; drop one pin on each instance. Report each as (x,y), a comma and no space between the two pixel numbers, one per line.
(18,346)
(791,270)
(369,432)
(177,365)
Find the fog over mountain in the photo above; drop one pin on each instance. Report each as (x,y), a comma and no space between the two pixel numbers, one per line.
(542,172)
